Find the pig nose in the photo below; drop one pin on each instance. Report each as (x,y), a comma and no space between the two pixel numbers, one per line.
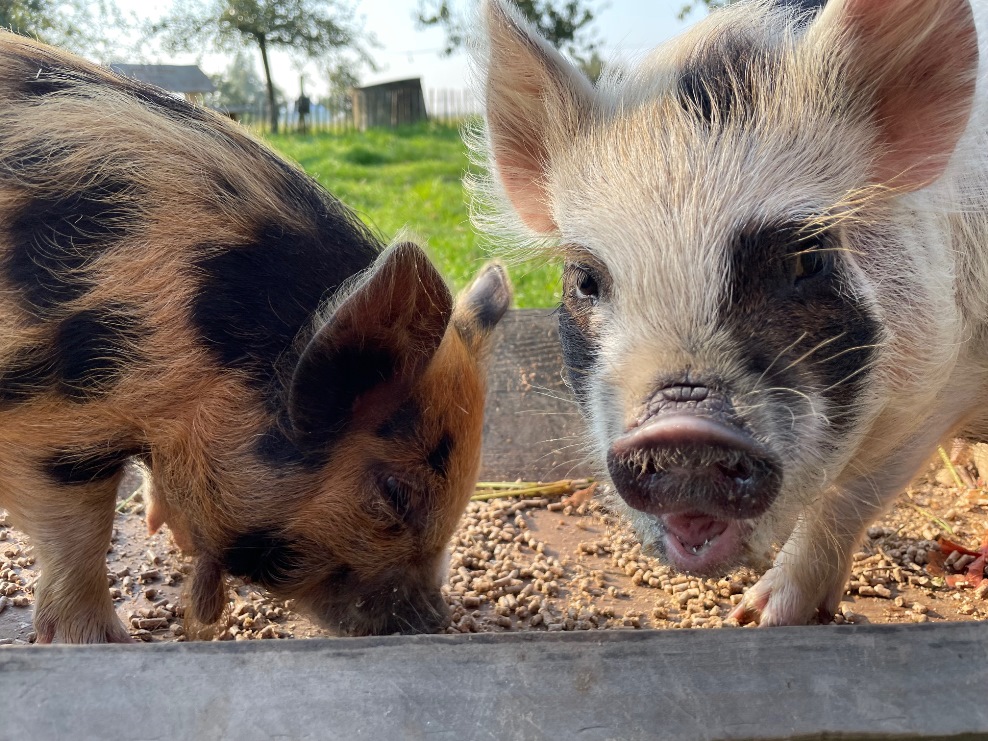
(687,462)
(428,615)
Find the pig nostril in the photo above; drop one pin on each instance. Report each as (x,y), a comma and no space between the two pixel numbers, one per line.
(741,474)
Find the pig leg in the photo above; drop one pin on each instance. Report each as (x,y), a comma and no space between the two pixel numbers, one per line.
(811,571)
(70,528)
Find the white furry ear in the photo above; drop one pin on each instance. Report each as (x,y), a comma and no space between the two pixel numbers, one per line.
(533,94)
(917,60)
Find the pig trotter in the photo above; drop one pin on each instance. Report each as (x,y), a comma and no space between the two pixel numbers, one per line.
(780,599)
(72,600)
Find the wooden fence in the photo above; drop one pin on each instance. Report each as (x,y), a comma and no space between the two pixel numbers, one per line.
(449,106)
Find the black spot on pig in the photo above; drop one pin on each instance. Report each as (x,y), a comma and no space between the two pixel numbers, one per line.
(80,467)
(43,78)
(340,577)
(438,458)
(54,238)
(254,299)
(33,161)
(89,352)
(579,354)
(263,556)
(805,6)
(329,406)
(228,187)
(306,195)
(276,446)
(162,102)
(93,348)
(794,318)
(716,85)
(403,424)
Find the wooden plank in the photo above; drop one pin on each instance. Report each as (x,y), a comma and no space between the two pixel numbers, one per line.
(879,682)
(532,427)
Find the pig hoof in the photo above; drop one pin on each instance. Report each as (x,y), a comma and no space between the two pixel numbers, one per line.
(777,600)
(55,631)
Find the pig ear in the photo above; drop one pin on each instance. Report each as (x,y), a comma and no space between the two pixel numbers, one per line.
(374,347)
(480,307)
(917,61)
(531,91)
(208,596)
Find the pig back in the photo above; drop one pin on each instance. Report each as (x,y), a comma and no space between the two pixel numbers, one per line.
(156,261)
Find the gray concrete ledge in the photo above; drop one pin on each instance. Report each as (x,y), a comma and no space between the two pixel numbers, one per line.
(876,682)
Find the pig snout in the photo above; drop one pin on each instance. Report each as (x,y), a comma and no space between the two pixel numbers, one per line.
(351,606)
(689,456)
(393,612)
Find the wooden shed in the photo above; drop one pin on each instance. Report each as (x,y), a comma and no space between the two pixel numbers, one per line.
(388,104)
(185,79)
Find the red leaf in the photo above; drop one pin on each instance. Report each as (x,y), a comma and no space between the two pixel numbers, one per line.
(948,546)
(976,570)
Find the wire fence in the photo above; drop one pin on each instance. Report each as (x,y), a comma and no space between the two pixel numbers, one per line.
(336,114)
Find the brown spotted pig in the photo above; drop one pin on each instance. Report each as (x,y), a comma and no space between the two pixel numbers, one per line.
(307,402)
(775,298)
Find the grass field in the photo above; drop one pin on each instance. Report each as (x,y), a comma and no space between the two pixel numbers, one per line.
(411,179)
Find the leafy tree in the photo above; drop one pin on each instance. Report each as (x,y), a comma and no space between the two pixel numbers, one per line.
(714,4)
(341,78)
(93,28)
(592,66)
(565,24)
(310,28)
(709,4)
(239,84)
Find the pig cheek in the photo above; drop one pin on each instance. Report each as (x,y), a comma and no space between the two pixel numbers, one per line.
(596,396)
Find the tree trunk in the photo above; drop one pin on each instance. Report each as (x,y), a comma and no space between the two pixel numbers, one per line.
(272,106)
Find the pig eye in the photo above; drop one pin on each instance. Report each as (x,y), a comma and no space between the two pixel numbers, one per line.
(586,287)
(397,494)
(811,263)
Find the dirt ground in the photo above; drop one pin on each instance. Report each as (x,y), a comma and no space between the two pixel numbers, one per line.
(559,564)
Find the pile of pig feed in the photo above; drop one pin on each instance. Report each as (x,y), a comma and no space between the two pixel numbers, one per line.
(561,562)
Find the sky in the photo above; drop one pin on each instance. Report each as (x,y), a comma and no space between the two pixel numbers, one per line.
(625,28)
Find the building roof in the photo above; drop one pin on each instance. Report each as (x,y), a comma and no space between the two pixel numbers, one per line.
(178,78)
(411,81)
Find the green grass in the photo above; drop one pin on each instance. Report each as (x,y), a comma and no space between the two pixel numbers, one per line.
(411,179)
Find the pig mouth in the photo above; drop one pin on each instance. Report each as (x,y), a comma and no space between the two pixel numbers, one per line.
(348,606)
(698,543)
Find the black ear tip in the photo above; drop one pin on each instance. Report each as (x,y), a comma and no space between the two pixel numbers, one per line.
(409,256)
(401,254)
(494,277)
(407,247)
(489,296)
